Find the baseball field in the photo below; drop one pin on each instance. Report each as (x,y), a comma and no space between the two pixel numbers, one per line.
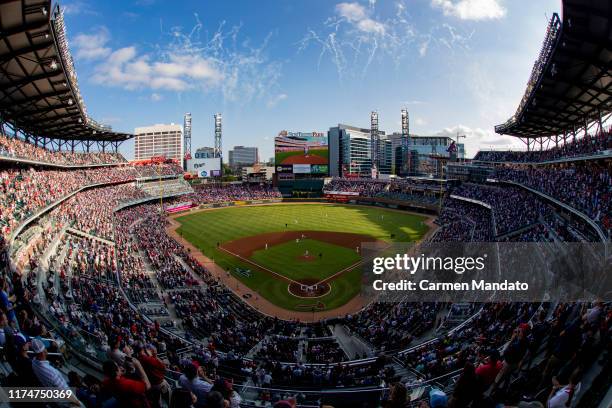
(300,257)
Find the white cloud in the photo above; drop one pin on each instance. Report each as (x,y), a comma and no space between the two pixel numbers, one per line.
(276,100)
(356,35)
(471,9)
(480,139)
(92,46)
(356,14)
(226,64)
(155,97)
(128,69)
(371,26)
(78,7)
(420,121)
(351,11)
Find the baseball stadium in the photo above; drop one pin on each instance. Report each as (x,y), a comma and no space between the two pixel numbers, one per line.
(137,283)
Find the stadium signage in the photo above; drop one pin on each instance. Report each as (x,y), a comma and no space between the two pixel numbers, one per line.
(301,168)
(205,167)
(342,193)
(284,168)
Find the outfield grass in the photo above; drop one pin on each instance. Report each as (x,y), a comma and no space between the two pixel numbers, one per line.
(206,229)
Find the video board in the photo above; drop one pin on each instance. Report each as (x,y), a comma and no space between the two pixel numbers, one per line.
(301,153)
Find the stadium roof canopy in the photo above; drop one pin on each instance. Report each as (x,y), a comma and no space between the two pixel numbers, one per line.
(39,93)
(570,84)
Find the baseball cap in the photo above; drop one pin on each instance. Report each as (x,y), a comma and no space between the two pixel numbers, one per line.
(20,340)
(437,398)
(38,346)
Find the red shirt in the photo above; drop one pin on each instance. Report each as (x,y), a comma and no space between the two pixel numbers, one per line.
(488,372)
(129,393)
(154,368)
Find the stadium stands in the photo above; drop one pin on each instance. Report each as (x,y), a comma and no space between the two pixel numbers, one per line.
(91,281)
(18,149)
(590,146)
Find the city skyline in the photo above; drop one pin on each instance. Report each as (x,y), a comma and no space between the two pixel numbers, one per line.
(456,65)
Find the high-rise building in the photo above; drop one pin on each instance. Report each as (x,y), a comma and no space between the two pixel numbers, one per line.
(350,151)
(423,153)
(243,156)
(159,141)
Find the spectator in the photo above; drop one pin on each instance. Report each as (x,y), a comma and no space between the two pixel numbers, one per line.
(489,369)
(398,397)
(155,370)
(194,379)
(47,375)
(182,398)
(561,395)
(126,392)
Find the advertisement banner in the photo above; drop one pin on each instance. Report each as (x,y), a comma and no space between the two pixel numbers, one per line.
(284,168)
(301,168)
(205,167)
(319,169)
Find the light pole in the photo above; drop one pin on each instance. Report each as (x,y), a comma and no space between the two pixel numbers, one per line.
(457,141)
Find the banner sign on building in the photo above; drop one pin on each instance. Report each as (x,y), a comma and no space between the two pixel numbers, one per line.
(205,167)
(284,168)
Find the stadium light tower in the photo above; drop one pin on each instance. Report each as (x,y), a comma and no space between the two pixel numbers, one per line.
(218,152)
(187,139)
(405,128)
(374,142)
(406,142)
(457,142)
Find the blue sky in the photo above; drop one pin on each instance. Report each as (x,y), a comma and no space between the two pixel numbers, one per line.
(304,65)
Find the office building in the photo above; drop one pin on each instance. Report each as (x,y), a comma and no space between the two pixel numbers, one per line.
(159,141)
(350,152)
(423,153)
(243,156)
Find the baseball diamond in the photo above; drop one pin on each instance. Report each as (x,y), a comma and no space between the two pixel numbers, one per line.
(299,256)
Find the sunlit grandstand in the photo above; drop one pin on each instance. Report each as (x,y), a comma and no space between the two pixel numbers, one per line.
(103,295)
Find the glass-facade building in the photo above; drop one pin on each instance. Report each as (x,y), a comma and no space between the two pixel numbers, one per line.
(243,156)
(350,152)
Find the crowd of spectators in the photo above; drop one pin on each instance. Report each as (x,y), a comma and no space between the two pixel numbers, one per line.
(593,197)
(513,207)
(392,326)
(584,146)
(94,277)
(324,351)
(19,149)
(463,221)
(217,193)
(543,361)
(279,348)
(415,191)
(24,191)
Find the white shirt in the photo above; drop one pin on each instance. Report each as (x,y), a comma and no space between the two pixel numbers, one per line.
(48,375)
(559,399)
